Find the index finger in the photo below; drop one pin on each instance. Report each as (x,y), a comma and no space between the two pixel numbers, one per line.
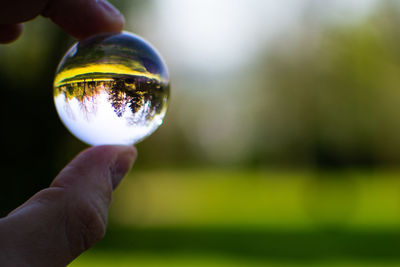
(79,18)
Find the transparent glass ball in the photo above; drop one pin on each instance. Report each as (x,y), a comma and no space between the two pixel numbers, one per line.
(112,89)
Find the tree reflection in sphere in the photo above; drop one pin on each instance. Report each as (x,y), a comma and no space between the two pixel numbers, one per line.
(112,89)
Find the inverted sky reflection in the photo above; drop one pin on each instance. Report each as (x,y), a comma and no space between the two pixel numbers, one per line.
(95,121)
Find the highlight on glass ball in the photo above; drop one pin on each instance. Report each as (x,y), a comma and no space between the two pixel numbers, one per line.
(112,89)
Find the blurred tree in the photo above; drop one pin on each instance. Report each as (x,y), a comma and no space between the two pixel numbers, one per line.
(334,95)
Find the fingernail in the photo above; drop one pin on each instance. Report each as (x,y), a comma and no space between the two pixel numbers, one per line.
(122,165)
(110,9)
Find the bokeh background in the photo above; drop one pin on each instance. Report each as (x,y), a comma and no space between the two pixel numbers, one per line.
(281,146)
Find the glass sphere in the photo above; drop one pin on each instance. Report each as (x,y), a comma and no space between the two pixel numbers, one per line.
(112,89)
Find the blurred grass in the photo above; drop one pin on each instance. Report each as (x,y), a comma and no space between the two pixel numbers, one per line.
(142,259)
(268,199)
(252,218)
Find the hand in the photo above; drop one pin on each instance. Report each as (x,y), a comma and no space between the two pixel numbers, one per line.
(79,18)
(60,222)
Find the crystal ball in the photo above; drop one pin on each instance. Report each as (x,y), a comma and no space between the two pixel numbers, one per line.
(112,89)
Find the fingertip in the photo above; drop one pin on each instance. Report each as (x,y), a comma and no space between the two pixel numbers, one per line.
(10,32)
(108,8)
(82,19)
(109,153)
(97,165)
(120,158)
(123,164)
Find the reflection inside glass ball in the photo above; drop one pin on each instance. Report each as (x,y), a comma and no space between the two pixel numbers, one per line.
(112,89)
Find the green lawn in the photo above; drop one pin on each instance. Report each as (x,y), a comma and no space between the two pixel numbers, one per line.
(93,259)
(252,218)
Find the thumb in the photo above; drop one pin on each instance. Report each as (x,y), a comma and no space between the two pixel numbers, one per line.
(62,221)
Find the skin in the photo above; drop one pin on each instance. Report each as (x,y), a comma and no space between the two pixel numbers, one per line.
(79,18)
(60,222)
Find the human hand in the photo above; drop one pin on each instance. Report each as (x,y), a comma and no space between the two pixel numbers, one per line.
(79,18)
(60,222)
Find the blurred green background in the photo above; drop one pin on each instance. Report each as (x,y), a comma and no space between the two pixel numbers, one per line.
(281,145)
